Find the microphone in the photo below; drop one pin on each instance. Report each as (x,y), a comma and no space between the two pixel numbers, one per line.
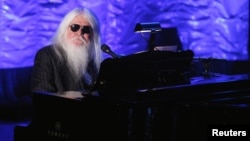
(105,48)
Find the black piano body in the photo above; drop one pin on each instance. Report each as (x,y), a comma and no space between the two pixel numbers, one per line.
(61,117)
(164,113)
(157,101)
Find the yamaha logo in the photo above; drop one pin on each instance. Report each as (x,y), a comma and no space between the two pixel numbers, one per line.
(58,126)
(57,131)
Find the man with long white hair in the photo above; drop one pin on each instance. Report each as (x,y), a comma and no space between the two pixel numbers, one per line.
(72,61)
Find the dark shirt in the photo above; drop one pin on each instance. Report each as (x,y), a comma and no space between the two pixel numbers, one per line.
(52,75)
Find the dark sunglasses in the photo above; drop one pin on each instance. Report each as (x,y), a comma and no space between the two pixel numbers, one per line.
(84,29)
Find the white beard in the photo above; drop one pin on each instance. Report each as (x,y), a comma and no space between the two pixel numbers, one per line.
(77,58)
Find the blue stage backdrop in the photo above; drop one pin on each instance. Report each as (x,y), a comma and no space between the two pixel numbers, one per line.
(211,28)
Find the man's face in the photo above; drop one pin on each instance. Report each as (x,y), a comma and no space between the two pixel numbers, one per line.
(78,32)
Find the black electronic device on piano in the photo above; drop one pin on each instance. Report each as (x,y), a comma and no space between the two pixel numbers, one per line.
(144,70)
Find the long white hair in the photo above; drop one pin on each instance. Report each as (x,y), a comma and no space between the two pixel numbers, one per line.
(95,39)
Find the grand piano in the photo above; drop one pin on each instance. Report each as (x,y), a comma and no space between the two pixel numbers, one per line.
(161,107)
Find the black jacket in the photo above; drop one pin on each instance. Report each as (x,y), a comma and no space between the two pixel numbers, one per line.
(51,75)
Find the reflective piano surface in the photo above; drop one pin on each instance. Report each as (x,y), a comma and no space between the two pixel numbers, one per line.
(162,113)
